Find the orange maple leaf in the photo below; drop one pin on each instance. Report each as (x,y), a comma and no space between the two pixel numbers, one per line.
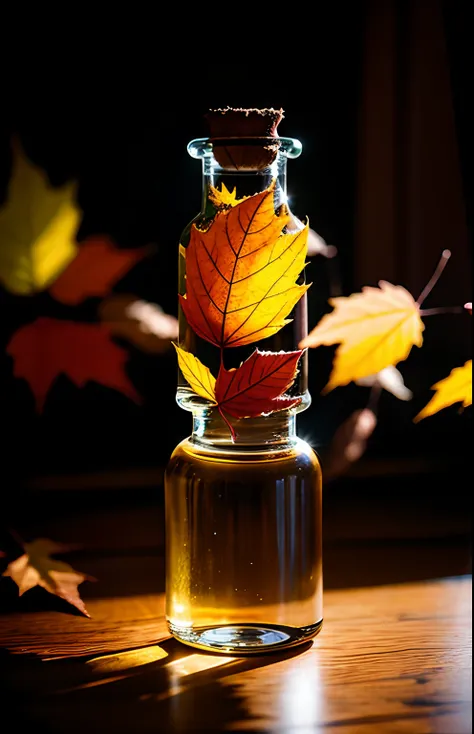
(97,266)
(376,328)
(241,273)
(36,568)
(47,348)
(455,388)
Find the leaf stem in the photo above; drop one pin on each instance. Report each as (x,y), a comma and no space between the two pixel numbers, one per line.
(374,397)
(228,424)
(441,310)
(445,255)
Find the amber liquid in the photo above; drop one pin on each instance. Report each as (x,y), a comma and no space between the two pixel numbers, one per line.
(244,555)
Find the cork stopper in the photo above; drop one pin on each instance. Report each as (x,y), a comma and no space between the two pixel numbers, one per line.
(244,139)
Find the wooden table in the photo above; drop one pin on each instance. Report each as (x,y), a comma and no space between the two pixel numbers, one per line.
(394,654)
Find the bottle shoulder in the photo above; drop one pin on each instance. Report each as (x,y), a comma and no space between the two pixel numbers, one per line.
(297,456)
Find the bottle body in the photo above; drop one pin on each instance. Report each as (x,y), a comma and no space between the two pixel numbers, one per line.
(243,493)
(244,547)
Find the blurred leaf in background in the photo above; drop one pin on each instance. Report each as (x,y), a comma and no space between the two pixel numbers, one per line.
(38,225)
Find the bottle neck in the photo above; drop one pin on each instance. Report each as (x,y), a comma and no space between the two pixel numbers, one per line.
(266,433)
(243,182)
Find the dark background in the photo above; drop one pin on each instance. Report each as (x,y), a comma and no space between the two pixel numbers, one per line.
(121,129)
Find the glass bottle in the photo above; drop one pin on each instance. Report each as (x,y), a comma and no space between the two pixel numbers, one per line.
(243,512)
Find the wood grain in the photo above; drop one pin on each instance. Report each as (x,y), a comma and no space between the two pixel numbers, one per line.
(393,658)
(394,654)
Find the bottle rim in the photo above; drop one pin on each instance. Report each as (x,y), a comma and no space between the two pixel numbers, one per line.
(204,147)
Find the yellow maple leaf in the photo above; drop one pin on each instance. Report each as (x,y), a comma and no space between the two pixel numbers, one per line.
(375,329)
(197,375)
(224,197)
(456,388)
(38,224)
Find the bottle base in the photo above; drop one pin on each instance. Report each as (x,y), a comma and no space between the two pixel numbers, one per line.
(244,639)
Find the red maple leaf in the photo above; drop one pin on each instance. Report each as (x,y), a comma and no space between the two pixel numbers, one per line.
(96,267)
(257,386)
(47,348)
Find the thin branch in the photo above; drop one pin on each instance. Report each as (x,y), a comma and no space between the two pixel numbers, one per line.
(441,310)
(445,255)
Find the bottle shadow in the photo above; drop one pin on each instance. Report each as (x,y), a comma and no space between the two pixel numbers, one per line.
(183,689)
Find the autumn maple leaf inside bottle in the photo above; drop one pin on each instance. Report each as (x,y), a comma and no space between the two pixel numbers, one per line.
(243,492)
